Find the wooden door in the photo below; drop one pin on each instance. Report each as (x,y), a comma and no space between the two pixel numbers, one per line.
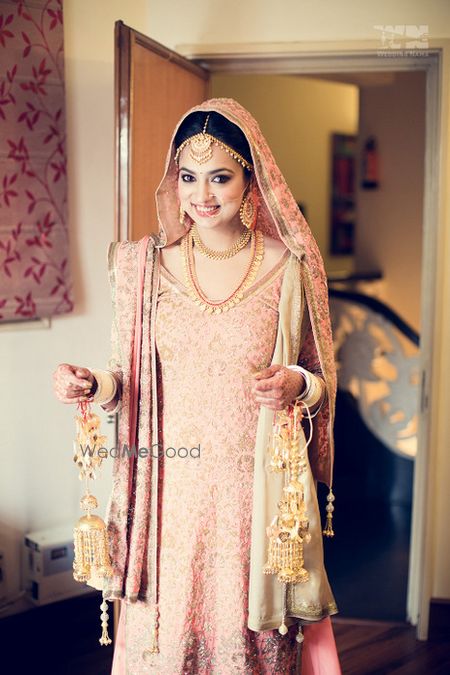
(154,86)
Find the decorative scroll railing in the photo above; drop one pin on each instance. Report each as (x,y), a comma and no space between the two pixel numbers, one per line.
(377,357)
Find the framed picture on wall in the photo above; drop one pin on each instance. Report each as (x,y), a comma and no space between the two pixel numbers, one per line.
(342,207)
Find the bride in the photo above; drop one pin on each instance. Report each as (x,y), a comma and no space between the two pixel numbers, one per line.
(220,321)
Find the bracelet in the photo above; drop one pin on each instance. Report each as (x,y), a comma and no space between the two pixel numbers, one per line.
(307,382)
(107,386)
(313,392)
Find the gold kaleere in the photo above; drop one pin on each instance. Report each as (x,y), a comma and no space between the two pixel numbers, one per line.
(289,530)
(92,563)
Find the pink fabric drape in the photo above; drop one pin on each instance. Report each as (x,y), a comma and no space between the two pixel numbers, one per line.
(34,271)
(319,656)
(319,653)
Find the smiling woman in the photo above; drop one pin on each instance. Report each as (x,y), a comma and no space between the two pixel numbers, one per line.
(232,324)
(216,191)
(218,200)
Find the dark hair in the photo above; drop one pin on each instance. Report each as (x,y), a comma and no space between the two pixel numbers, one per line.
(219,127)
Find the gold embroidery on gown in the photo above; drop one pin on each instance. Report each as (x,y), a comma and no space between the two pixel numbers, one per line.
(204,366)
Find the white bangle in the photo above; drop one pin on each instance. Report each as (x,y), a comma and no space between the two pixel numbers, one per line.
(316,392)
(313,391)
(307,380)
(106,386)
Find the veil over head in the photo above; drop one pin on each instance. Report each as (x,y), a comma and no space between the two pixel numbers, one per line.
(280,218)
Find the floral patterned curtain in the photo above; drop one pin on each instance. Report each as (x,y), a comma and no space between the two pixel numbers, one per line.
(34,271)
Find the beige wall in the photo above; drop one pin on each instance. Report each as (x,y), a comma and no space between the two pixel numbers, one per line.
(176,22)
(297,116)
(390,219)
(39,486)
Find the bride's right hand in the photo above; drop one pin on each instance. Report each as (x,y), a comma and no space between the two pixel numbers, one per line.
(72,384)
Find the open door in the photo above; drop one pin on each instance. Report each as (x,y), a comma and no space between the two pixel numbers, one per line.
(154,86)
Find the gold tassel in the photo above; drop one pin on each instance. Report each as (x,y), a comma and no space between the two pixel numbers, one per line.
(328,531)
(288,531)
(105,640)
(282,628)
(91,560)
(92,564)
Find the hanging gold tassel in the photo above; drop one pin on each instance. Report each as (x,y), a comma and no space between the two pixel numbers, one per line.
(105,640)
(328,531)
(288,531)
(92,563)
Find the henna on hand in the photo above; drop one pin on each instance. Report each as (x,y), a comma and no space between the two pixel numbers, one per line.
(276,387)
(72,384)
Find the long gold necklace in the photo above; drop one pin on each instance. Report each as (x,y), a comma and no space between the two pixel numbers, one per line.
(194,290)
(240,243)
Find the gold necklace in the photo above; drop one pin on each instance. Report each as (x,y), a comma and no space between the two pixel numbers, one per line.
(192,285)
(240,243)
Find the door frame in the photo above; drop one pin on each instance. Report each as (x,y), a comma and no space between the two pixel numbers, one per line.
(308,60)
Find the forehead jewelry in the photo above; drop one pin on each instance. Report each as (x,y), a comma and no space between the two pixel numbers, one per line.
(201,148)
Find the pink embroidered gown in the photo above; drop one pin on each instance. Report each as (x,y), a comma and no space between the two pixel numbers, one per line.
(204,367)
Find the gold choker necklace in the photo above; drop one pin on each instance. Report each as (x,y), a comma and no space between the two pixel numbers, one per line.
(192,285)
(240,243)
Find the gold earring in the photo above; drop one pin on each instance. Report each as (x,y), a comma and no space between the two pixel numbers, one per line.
(247,211)
(181,216)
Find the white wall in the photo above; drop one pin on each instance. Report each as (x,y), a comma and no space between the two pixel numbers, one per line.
(390,218)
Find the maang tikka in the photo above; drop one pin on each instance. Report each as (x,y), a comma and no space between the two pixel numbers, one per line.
(201,148)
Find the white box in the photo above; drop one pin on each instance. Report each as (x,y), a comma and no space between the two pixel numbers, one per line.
(48,566)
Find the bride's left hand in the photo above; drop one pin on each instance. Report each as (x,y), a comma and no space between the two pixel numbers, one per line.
(276,387)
